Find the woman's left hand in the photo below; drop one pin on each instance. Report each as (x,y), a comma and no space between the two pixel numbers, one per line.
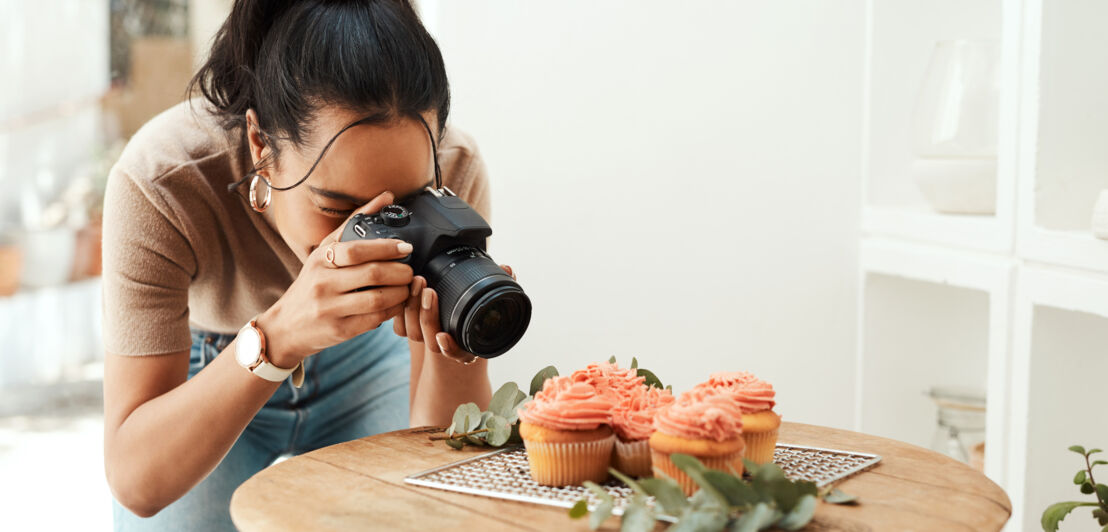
(420,322)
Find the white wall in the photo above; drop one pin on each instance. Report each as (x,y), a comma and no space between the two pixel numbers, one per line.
(676,181)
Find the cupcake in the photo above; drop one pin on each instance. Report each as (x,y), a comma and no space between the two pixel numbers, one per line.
(704,423)
(609,378)
(633,423)
(760,422)
(566,433)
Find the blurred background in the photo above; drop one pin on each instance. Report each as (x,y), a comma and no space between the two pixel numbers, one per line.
(893,211)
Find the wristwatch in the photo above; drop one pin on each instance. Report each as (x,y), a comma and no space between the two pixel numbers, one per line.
(250,354)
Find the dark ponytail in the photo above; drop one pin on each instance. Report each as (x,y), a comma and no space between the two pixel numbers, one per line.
(286,59)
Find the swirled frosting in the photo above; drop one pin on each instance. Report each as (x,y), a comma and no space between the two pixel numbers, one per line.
(564,404)
(752,393)
(702,414)
(633,416)
(607,376)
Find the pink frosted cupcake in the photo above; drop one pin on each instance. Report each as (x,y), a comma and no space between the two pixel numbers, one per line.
(565,430)
(633,423)
(704,423)
(757,399)
(608,377)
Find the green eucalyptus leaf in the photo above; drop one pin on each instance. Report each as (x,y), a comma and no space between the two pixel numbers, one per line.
(634,363)
(504,399)
(737,492)
(635,487)
(482,420)
(700,521)
(707,499)
(760,517)
(540,378)
(1087,488)
(460,414)
(599,491)
(1079,478)
(515,437)
(785,494)
(499,431)
(612,359)
(450,429)
(800,515)
(686,462)
(838,496)
(637,516)
(667,493)
(1101,516)
(580,508)
(457,444)
(695,470)
(1102,491)
(1078,449)
(1056,512)
(649,378)
(771,485)
(602,512)
(513,416)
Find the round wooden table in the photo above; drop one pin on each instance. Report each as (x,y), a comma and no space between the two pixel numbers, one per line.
(359,485)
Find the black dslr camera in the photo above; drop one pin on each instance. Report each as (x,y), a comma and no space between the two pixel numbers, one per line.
(482,307)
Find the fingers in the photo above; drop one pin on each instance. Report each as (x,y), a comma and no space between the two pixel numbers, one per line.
(371,274)
(451,349)
(429,319)
(411,310)
(381,303)
(381,201)
(360,323)
(508,270)
(354,252)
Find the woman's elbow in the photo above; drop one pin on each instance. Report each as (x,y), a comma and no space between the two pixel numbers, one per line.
(132,493)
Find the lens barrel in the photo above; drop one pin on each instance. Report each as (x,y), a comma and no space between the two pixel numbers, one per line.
(480,305)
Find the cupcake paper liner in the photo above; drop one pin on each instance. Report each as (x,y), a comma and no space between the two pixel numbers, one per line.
(760,446)
(663,466)
(632,458)
(569,464)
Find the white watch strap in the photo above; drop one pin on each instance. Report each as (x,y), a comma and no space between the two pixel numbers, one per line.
(272,373)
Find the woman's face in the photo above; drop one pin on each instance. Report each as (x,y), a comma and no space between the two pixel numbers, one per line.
(363,162)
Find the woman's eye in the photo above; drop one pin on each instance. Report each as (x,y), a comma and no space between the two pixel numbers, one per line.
(336,212)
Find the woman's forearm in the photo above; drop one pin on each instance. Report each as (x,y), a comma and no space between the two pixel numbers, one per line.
(168,444)
(443,385)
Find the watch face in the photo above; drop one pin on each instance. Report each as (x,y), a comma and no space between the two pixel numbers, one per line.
(248,346)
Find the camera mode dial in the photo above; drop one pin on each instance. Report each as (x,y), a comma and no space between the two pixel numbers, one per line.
(396,216)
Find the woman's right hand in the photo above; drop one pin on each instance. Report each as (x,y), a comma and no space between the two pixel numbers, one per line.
(323,308)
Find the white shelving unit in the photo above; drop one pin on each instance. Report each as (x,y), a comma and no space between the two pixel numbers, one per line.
(1015,303)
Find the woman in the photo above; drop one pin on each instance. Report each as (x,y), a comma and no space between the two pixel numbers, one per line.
(221,222)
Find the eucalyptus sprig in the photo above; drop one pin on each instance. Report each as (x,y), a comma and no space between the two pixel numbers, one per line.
(1056,512)
(724,500)
(649,378)
(497,426)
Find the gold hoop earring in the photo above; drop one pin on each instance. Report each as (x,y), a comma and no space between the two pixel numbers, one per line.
(260,206)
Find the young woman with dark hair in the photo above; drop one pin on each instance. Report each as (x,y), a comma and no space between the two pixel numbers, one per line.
(234,326)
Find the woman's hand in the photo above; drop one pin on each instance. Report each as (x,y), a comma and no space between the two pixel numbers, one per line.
(323,306)
(421,321)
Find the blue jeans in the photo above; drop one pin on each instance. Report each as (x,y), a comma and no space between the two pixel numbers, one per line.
(355,389)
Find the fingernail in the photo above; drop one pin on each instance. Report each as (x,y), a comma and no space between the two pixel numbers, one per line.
(404,248)
(426,299)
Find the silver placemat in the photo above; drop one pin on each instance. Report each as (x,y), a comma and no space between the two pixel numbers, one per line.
(505,474)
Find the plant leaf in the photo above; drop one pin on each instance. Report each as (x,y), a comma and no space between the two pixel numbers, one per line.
(1079,478)
(635,487)
(499,431)
(482,420)
(758,518)
(649,378)
(1099,462)
(800,515)
(637,517)
(701,521)
(460,413)
(634,363)
(457,444)
(540,378)
(737,492)
(513,416)
(1102,491)
(1078,449)
(1101,516)
(612,359)
(597,490)
(450,429)
(504,399)
(838,496)
(667,493)
(579,510)
(602,512)
(695,470)
(1087,488)
(1092,451)
(1056,512)
(515,438)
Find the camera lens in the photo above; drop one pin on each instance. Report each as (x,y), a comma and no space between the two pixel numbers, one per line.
(482,307)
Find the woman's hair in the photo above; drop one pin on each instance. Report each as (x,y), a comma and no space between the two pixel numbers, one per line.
(286,59)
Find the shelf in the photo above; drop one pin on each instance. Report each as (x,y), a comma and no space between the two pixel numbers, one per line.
(918,335)
(1074,249)
(974,232)
(936,264)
